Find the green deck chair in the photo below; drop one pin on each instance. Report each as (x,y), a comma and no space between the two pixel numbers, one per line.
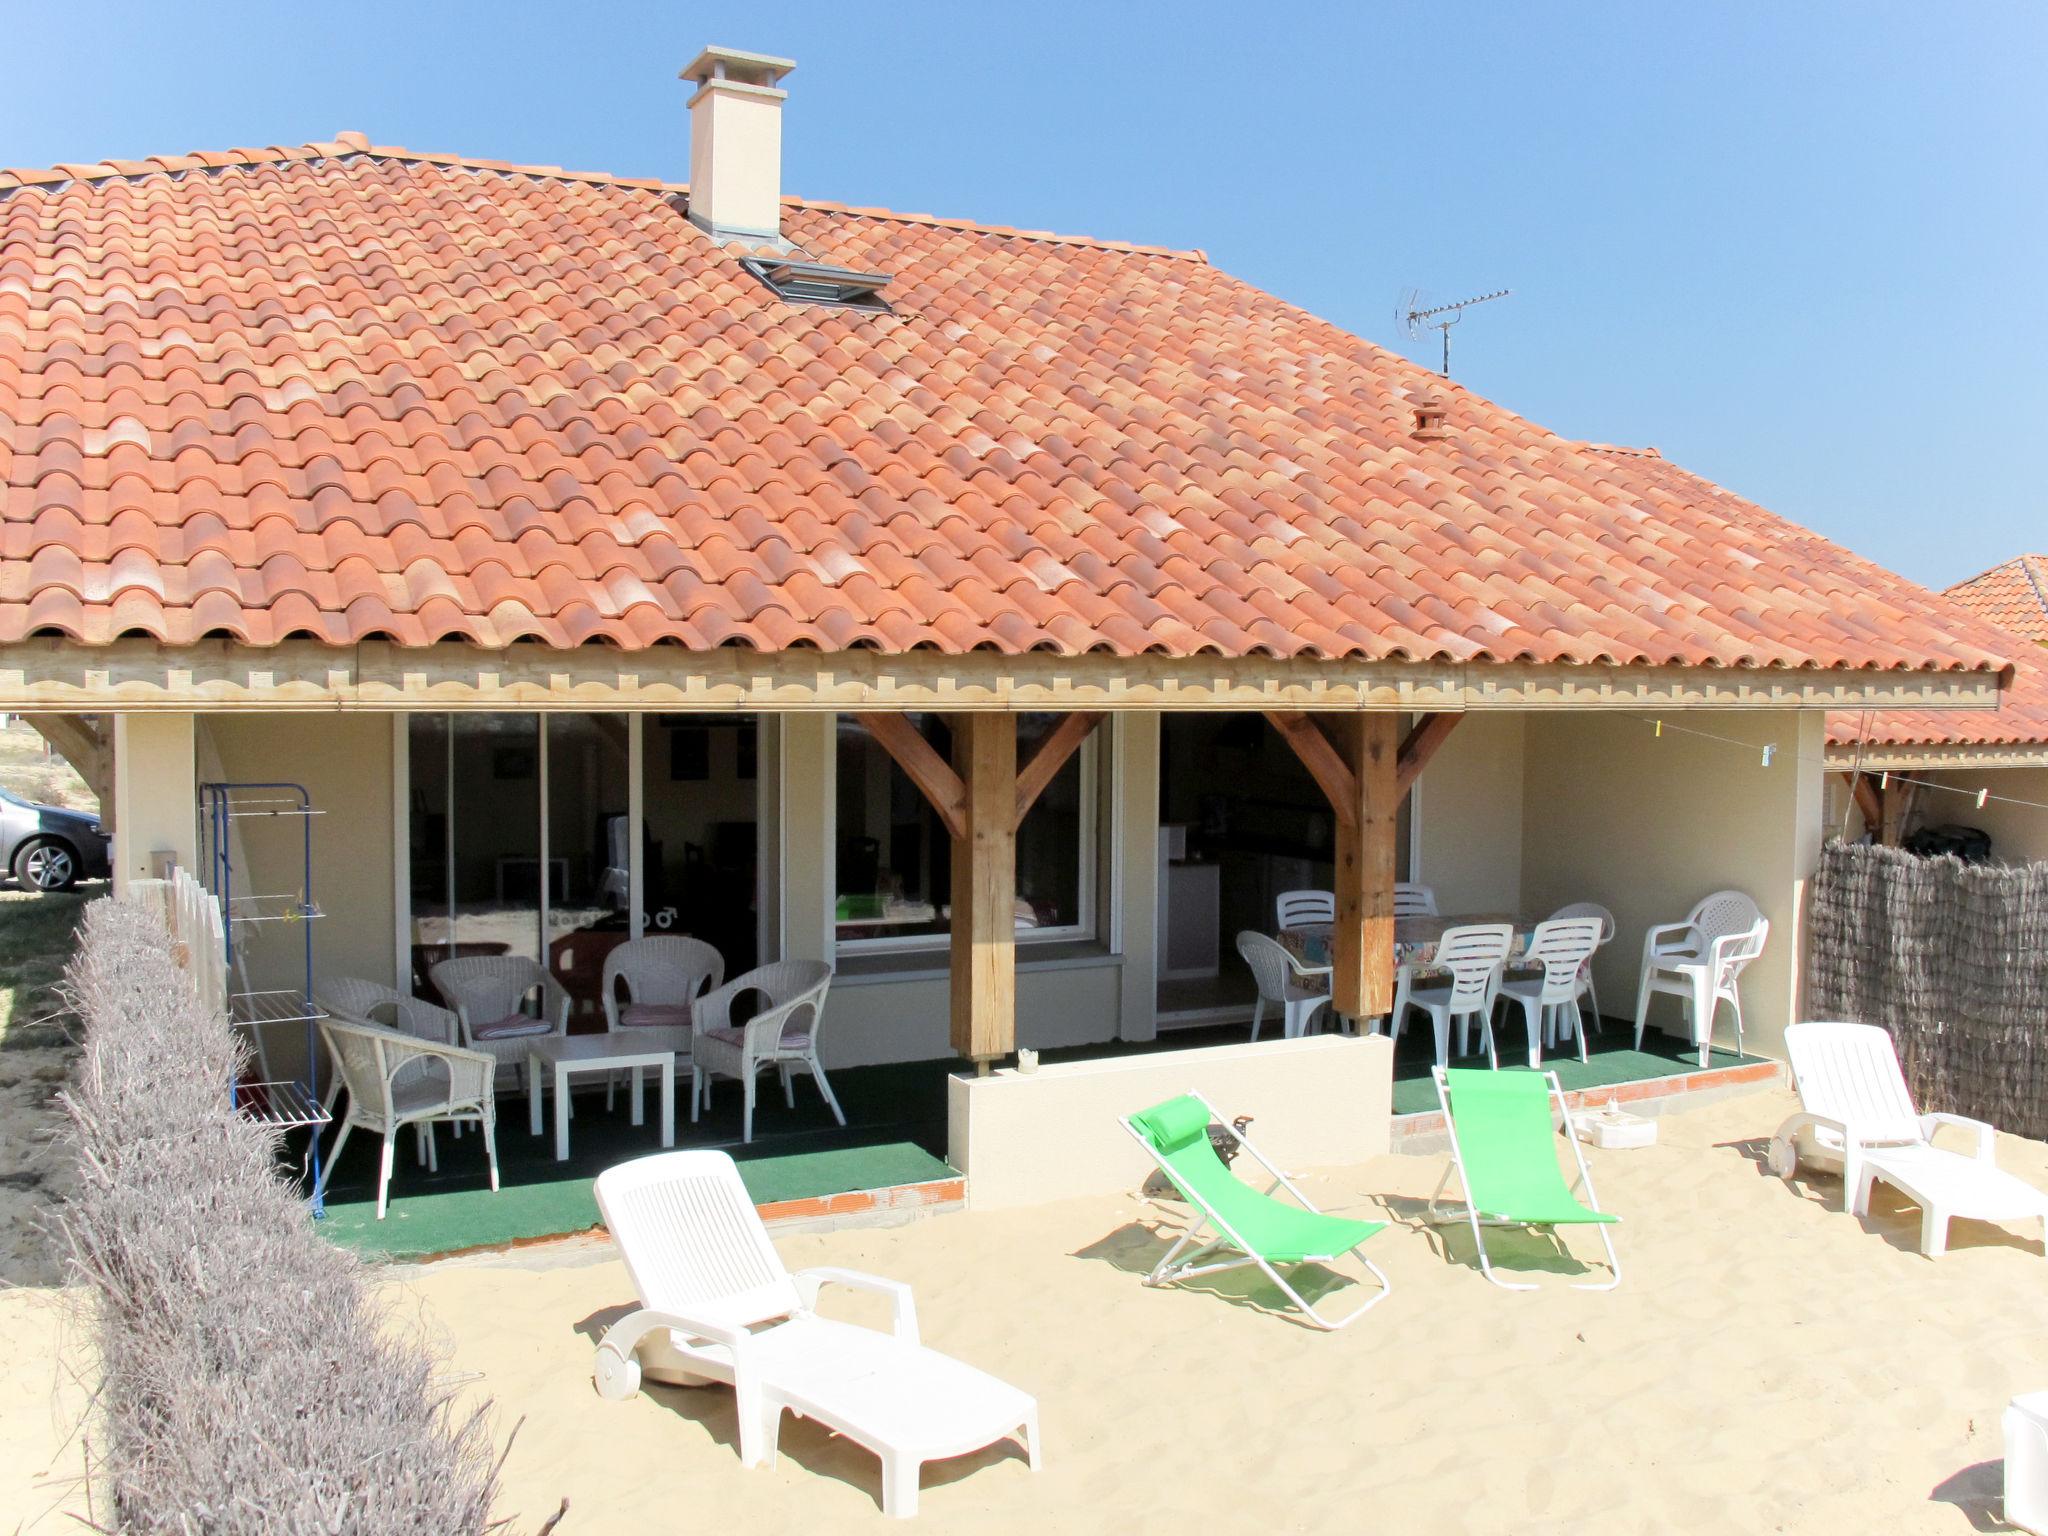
(1251,1227)
(1503,1148)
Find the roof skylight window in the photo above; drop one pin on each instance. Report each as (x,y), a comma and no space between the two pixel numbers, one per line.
(801,281)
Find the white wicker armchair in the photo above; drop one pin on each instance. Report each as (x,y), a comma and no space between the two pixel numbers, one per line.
(360,1001)
(663,976)
(783,1035)
(489,994)
(395,1080)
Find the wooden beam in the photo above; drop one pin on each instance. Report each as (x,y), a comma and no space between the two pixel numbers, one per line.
(1430,732)
(984,935)
(935,780)
(1362,980)
(1062,743)
(1322,760)
(84,742)
(212,676)
(1868,801)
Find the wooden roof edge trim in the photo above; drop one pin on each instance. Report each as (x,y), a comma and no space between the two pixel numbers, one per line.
(56,674)
(1906,758)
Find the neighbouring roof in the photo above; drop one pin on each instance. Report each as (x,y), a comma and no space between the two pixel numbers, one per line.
(2013,596)
(349,393)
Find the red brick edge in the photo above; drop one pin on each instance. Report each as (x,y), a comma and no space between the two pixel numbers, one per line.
(897,1197)
(1430,1122)
(937,1194)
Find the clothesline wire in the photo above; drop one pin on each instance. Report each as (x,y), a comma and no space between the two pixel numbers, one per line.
(1769,751)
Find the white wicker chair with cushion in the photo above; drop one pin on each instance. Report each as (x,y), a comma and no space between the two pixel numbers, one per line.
(489,995)
(371,1002)
(395,1080)
(663,976)
(783,1035)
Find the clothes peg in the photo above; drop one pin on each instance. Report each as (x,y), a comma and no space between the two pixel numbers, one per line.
(1768,750)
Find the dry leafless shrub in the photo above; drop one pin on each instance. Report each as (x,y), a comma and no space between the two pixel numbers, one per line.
(251,1384)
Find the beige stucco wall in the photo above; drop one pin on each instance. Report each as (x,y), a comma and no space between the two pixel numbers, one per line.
(344,761)
(154,788)
(1647,825)
(2019,833)
(1026,1137)
(1468,809)
(906,1017)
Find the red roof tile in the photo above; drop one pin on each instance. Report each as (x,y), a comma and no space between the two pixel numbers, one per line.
(2013,596)
(340,391)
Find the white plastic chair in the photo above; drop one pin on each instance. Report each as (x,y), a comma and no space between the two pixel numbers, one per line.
(1854,1105)
(1550,1000)
(1607,926)
(782,1036)
(489,995)
(1473,957)
(1299,909)
(1700,961)
(716,1304)
(1414,900)
(2025,1429)
(395,1080)
(1281,979)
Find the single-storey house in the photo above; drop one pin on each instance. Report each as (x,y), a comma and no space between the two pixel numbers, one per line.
(1893,771)
(1003,616)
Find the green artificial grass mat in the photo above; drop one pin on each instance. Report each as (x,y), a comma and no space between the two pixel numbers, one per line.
(1663,1056)
(448,1221)
(895,1133)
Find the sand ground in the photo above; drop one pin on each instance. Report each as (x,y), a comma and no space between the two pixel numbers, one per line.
(1768,1364)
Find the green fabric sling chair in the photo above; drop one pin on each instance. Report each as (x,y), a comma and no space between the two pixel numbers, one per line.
(1503,1149)
(1251,1227)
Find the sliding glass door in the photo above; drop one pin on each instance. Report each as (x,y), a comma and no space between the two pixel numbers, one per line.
(521,839)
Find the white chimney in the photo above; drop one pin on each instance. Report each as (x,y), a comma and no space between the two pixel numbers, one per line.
(736,143)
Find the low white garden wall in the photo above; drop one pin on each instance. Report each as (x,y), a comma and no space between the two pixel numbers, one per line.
(1022,1138)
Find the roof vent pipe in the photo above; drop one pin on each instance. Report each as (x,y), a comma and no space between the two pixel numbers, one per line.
(1431,414)
(736,143)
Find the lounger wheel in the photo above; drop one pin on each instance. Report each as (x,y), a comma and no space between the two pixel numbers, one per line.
(617,1376)
(1783,1157)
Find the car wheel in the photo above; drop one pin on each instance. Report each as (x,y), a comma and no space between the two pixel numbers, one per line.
(45,865)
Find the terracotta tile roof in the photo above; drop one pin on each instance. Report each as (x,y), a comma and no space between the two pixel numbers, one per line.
(349,392)
(2013,596)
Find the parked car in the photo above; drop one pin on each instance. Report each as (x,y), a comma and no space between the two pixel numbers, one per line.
(47,848)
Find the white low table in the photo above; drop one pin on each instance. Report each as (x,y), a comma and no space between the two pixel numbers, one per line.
(553,1059)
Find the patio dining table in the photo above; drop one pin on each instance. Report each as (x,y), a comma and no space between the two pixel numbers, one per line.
(1415,939)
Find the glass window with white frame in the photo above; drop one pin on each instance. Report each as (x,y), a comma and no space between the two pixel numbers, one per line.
(893,856)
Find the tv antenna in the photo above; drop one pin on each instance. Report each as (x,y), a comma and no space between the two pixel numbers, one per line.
(1416,317)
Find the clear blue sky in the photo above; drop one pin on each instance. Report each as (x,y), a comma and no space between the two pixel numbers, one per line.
(1799,248)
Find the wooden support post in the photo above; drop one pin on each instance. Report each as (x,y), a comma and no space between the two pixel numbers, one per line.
(1363,948)
(984,938)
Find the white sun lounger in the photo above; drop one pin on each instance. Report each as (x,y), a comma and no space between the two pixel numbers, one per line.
(1855,1107)
(709,1279)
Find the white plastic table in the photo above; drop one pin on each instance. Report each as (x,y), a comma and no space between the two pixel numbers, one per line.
(553,1059)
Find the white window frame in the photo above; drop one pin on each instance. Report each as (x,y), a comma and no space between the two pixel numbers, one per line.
(1090,838)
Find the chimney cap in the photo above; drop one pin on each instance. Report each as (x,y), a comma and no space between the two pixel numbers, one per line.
(736,66)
